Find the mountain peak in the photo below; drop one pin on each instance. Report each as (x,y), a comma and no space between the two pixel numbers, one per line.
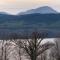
(46,10)
(41,10)
(45,7)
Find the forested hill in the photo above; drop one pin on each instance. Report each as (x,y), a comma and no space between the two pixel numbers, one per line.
(30,21)
(21,23)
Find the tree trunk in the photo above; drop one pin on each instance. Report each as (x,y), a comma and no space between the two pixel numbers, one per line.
(5,51)
(2,49)
(19,54)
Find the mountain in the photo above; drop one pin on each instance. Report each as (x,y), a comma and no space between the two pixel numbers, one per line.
(27,23)
(4,13)
(41,10)
(30,21)
(21,23)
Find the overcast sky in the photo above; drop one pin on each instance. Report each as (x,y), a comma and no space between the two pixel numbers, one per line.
(15,6)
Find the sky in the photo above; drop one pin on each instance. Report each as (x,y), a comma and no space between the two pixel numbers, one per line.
(16,6)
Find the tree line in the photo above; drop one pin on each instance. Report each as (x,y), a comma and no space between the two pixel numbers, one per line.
(32,47)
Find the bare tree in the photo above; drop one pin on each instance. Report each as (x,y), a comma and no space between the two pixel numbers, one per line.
(55,51)
(2,49)
(33,46)
(9,51)
(43,56)
(19,45)
(15,38)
